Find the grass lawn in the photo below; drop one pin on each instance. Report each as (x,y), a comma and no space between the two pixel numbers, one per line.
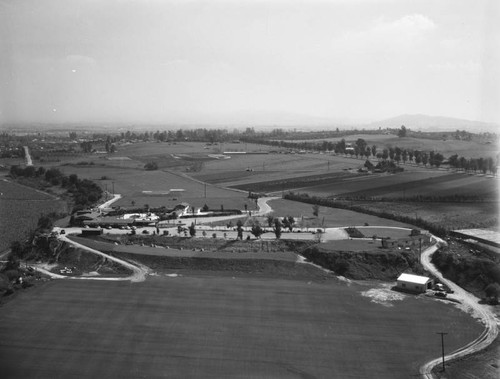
(333,217)
(214,326)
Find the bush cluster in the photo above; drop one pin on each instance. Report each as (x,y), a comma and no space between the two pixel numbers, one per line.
(84,192)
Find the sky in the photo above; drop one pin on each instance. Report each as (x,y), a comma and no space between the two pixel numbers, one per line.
(155,61)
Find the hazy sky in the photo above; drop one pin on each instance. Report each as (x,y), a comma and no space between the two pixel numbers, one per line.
(164,61)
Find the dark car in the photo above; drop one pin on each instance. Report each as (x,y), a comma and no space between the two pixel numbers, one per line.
(440,294)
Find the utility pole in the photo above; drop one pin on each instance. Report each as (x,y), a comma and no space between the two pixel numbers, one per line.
(205,190)
(113,188)
(442,347)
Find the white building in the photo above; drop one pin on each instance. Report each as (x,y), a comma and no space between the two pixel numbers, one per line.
(413,283)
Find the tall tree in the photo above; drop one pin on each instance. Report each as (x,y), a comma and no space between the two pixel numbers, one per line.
(277,228)
(402,131)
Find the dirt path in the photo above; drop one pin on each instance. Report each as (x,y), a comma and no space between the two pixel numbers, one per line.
(469,303)
(27,156)
(139,271)
(116,197)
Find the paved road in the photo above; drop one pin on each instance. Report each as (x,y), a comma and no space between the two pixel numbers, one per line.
(471,304)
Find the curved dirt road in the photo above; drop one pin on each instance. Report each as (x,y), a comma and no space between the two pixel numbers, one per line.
(470,304)
(139,271)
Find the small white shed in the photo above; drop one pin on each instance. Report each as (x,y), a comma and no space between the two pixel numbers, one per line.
(413,283)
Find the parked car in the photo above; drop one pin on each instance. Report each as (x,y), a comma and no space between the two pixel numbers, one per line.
(63,231)
(440,294)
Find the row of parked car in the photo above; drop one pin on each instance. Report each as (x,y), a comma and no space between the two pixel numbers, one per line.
(441,291)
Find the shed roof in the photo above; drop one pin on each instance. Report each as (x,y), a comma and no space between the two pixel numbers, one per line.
(413,278)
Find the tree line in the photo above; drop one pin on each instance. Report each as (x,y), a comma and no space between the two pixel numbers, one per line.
(84,192)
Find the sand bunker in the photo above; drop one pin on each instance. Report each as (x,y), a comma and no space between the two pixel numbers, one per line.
(383,295)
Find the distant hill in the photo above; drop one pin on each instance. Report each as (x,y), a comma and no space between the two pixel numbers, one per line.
(436,123)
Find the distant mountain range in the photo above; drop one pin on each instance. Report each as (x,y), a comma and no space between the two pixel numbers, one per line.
(270,119)
(267,120)
(434,123)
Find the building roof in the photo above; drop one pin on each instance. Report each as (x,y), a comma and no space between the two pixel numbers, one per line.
(413,278)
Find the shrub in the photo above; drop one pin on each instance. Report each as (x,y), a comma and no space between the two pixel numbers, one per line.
(353,232)
(150,166)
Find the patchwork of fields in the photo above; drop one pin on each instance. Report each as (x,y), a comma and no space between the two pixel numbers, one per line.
(222,326)
(216,325)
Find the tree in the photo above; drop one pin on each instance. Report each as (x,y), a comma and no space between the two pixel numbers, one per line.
(257,229)
(374,150)
(319,235)
(239,229)
(270,220)
(425,159)
(315,210)
(361,144)
(392,152)
(291,222)
(385,154)
(369,165)
(404,156)
(492,292)
(192,230)
(45,222)
(277,228)
(86,146)
(16,250)
(368,152)
(402,131)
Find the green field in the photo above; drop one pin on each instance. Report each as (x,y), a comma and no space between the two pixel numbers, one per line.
(222,326)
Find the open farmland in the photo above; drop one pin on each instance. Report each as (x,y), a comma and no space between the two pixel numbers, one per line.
(222,326)
(271,167)
(448,147)
(134,185)
(409,183)
(20,209)
(394,186)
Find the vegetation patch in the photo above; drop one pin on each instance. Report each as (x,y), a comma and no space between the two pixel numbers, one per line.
(375,264)
(354,232)
(470,266)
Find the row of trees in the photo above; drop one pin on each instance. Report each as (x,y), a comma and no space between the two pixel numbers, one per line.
(361,149)
(474,164)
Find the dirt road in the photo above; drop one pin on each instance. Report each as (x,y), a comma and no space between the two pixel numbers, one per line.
(139,271)
(470,304)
